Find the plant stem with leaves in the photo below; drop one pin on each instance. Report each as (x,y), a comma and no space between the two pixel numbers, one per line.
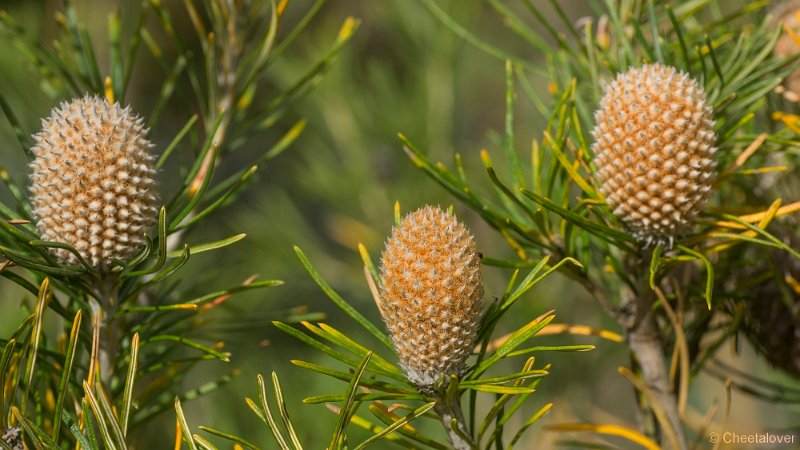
(647,347)
(104,304)
(452,417)
(559,205)
(94,408)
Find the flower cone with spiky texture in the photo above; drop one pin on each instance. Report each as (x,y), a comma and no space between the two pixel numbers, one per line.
(92,183)
(654,151)
(13,438)
(431,294)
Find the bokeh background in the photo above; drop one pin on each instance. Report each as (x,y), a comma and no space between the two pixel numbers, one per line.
(402,72)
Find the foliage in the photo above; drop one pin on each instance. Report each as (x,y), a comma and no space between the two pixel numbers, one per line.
(552,206)
(221,94)
(381,384)
(126,340)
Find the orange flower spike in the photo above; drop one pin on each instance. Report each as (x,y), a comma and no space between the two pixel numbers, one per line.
(431,294)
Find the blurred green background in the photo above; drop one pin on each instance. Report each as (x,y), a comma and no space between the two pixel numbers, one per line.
(403,72)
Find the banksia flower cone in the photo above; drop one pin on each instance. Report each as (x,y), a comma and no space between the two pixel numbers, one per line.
(92,181)
(654,151)
(431,294)
(13,437)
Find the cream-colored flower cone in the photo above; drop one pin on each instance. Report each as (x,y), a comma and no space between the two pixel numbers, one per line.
(654,151)
(92,183)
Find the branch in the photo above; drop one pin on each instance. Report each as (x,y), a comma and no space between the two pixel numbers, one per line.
(645,342)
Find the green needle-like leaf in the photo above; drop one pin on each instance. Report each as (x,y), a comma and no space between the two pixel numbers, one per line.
(341,302)
(36,335)
(65,375)
(339,440)
(229,437)
(402,422)
(127,396)
(709,292)
(186,431)
(266,415)
(102,423)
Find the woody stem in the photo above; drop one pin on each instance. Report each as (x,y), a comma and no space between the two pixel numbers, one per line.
(644,340)
(104,306)
(453,421)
